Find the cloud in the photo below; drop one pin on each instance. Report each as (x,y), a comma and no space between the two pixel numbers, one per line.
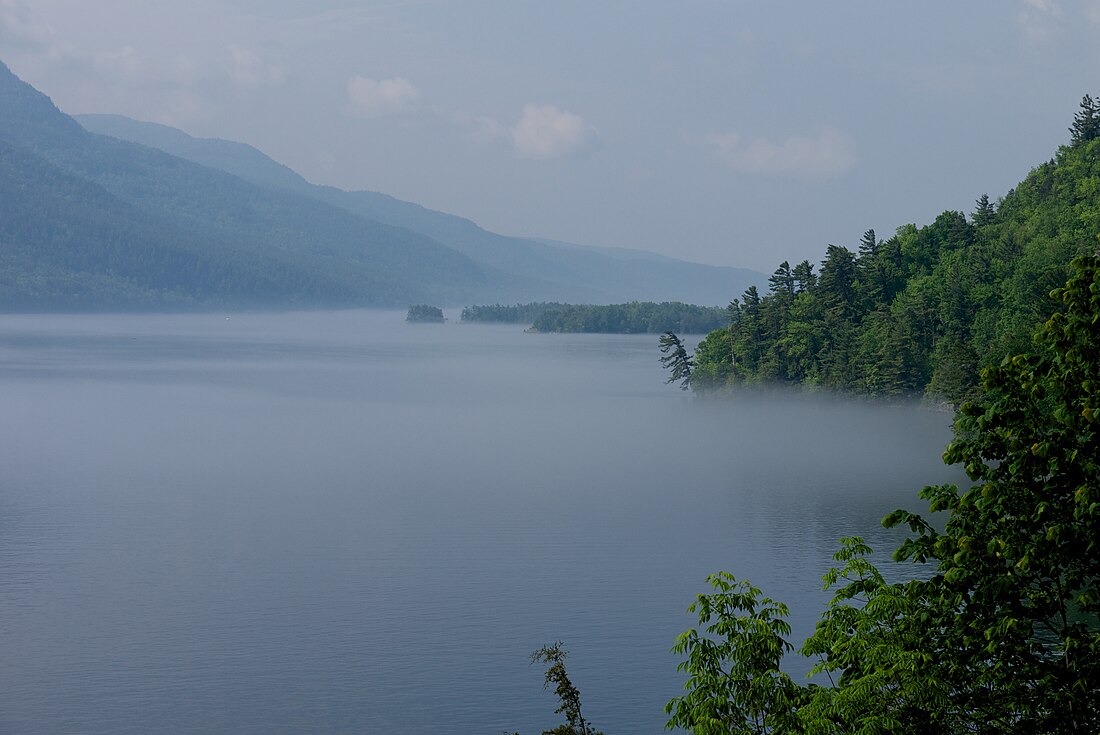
(248,69)
(1038,20)
(376,98)
(544,131)
(20,29)
(825,155)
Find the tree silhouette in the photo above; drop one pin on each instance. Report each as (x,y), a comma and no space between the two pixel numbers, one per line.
(676,359)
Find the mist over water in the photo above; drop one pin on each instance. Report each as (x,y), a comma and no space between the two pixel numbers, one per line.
(339,522)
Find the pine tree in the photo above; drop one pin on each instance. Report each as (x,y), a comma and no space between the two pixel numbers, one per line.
(869,272)
(984,212)
(782,281)
(1086,123)
(804,277)
(837,281)
(868,246)
(676,359)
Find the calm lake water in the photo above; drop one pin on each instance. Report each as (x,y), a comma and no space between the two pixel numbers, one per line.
(341,523)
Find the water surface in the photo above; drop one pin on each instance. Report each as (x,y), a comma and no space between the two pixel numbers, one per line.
(337,522)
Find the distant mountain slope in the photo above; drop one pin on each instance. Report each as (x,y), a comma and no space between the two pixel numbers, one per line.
(239,159)
(526,269)
(146,228)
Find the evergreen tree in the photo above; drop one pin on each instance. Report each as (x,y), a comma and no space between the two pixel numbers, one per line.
(733,313)
(751,333)
(868,246)
(1086,123)
(983,212)
(836,285)
(676,359)
(782,281)
(804,277)
(870,272)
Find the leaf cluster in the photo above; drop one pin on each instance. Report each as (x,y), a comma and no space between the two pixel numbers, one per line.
(553,656)
(997,629)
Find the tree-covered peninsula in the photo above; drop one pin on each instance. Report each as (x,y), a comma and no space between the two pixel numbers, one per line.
(997,629)
(923,310)
(994,627)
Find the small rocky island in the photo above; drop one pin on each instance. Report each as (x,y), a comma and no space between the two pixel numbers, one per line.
(424,313)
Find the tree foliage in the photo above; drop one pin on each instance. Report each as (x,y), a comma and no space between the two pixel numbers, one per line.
(924,309)
(636,317)
(424,313)
(569,696)
(734,682)
(676,360)
(1086,123)
(516,314)
(998,630)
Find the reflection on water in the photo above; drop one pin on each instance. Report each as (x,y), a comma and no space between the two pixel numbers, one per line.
(334,522)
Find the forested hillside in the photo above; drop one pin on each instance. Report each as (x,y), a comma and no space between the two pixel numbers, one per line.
(925,308)
(68,243)
(94,222)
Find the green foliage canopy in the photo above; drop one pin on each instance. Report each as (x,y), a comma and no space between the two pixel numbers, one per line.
(925,309)
(998,631)
(424,313)
(636,317)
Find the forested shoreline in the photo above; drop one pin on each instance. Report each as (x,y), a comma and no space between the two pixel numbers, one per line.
(995,628)
(636,317)
(924,310)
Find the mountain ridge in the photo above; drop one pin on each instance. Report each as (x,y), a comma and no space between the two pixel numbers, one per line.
(307,252)
(92,221)
(543,269)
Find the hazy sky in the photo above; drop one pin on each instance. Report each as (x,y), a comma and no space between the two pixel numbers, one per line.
(733,133)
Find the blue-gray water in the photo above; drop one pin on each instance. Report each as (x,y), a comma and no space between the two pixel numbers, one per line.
(340,523)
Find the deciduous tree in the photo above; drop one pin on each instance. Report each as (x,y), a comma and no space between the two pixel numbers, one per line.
(1000,631)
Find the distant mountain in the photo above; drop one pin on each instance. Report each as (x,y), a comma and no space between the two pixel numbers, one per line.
(151,218)
(127,226)
(525,269)
(239,159)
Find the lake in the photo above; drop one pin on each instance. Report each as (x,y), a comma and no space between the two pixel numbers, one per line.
(335,522)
